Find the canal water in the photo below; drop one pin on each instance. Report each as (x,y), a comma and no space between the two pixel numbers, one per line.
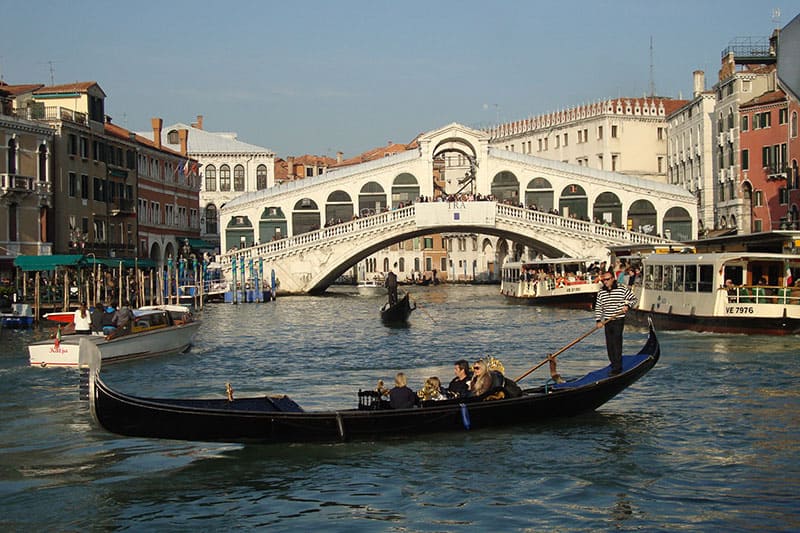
(710,439)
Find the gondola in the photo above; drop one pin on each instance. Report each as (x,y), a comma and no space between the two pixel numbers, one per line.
(397,313)
(278,419)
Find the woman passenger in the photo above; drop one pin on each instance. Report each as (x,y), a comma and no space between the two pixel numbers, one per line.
(481,379)
(82,320)
(401,396)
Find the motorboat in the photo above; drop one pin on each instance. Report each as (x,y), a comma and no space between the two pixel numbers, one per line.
(156,330)
(371,287)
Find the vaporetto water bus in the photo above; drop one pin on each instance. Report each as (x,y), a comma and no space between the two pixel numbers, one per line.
(689,291)
(561,282)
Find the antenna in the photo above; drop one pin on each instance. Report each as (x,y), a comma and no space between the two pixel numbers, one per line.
(652,79)
(776,17)
(52,72)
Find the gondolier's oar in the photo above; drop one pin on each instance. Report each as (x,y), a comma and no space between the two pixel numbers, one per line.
(551,358)
(416,304)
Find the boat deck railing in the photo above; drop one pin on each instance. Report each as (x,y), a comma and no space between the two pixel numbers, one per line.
(764,294)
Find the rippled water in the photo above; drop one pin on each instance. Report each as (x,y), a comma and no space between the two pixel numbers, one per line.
(709,439)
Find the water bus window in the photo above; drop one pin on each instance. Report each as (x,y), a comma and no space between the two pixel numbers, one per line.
(690,282)
(658,277)
(706,283)
(678,285)
(668,269)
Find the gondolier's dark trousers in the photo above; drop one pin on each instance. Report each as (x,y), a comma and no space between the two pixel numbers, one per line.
(614,343)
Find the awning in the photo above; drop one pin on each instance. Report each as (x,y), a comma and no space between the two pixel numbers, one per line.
(200,244)
(30,263)
(126,262)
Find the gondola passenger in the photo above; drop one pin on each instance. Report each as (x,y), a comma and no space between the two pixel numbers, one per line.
(401,396)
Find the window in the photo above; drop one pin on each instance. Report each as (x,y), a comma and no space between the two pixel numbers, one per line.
(224,178)
(600,132)
(745,159)
(745,122)
(85,188)
(793,125)
(72,144)
(74,187)
(566,139)
(211,178)
(758,226)
(783,196)
(261,177)
(660,134)
(613,132)
(99,192)
(758,198)
(706,283)
(84,147)
(238,178)
(783,116)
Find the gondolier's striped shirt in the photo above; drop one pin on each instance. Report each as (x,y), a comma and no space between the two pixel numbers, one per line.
(609,303)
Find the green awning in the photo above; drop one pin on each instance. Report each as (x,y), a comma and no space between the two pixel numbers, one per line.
(31,263)
(126,262)
(200,244)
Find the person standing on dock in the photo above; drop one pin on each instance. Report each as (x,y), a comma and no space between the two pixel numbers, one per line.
(611,304)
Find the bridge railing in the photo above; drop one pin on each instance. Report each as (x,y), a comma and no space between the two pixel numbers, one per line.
(580,226)
(323,235)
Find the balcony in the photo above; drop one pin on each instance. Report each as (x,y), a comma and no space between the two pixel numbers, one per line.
(15,184)
(39,112)
(775,173)
(121,207)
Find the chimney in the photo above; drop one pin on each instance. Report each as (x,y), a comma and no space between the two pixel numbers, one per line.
(199,123)
(290,167)
(699,82)
(157,124)
(183,135)
(339,156)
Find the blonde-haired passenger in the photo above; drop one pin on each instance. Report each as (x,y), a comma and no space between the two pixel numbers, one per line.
(432,390)
(481,378)
(401,396)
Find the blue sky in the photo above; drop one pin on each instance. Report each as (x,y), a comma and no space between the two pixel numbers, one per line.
(319,77)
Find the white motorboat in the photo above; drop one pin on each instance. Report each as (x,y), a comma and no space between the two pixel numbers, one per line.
(371,287)
(156,330)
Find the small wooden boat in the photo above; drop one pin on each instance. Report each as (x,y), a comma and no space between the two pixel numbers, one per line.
(397,313)
(274,419)
(156,330)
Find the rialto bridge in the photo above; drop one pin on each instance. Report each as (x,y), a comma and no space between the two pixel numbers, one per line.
(579,212)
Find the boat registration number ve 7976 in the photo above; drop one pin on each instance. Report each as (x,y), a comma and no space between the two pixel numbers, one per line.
(739,310)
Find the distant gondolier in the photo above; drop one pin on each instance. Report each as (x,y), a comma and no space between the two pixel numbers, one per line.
(611,304)
(391,287)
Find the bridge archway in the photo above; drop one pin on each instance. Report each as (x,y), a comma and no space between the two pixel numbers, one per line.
(539,193)
(371,199)
(608,209)
(272,224)
(240,231)
(642,217)
(677,224)
(505,187)
(405,189)
(305,216)
(338,207)
(574,202)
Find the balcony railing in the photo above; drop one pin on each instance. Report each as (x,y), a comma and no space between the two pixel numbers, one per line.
(122,206)
(48,113)
(16,183)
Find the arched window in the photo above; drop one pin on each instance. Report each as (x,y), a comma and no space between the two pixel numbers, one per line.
(793,125)
(261,177)
(43,162)
(12,156)
(211,178)
(238,178)
(224,178)
(211,219)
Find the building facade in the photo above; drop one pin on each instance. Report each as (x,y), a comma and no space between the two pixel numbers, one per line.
(26,186)
(626,135)
(226,168)
(690,150)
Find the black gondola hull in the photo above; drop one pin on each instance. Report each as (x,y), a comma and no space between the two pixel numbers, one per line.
(397,313)
(276,420)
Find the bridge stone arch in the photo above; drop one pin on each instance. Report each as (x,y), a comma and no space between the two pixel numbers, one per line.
(272,224)
(338,207)
(371,199)
(240,231)
(455,144)
(642,217)
(305,216)
(608,209)
(539,193)
(574,202)
(505,187)
(405,189)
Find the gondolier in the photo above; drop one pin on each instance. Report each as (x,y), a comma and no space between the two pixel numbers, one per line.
(391,287)
(611,304)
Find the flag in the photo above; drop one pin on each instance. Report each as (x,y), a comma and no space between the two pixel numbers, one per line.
(180,168)
(58,338)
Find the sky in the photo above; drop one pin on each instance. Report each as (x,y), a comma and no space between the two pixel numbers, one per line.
(318,77)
